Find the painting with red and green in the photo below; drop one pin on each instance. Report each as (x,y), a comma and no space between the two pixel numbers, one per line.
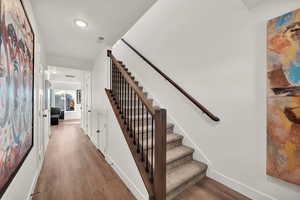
(16,89)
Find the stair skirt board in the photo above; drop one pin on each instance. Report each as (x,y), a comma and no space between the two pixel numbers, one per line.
(135,155)
(128,182)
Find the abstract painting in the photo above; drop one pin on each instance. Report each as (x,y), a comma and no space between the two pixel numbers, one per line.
(16,89)
(283,104)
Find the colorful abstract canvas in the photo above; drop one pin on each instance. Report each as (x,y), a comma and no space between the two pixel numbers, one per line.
(16,89)
(283,121)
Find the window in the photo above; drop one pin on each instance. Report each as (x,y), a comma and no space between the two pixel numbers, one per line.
(59,99)
(65,99)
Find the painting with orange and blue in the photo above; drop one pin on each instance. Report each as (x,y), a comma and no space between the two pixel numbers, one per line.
(283,103)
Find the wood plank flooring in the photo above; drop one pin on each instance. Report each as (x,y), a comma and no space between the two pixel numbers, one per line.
(74,170)
(209,189)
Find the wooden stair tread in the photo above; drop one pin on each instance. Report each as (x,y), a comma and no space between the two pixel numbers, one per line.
(140,128)
(178,152)
(175,154)
(182,174)
(171,137)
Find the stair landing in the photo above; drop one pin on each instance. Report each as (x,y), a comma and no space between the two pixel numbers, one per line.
(209,189)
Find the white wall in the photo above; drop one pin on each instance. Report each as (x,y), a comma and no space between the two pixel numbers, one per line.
(99,100)
(110,140)
(65,85)
(23,183)
(215,50)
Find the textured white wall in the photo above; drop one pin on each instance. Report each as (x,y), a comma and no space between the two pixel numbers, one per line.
(215,50)
(23,183)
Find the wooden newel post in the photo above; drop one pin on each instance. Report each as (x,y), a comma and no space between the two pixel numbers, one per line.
(160,154)
(111,70)
(108,53)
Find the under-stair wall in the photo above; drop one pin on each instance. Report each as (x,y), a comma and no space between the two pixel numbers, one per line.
(216,51)
(116,152)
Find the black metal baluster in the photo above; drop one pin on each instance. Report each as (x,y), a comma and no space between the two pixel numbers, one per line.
(120,92)
(131,112)
(138,126)
(113,81)
(124,96)
(122,99)
(134,124)
(147,155)
(128,108)
(111,75)
(143,133)
(152,149)
(112,78)
(118,89)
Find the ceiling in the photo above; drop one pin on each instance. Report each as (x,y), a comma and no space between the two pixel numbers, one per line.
(62,75)
(69,46)
(252,3)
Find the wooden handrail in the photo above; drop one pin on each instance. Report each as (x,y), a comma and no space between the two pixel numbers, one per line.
(134,86)
(192,99)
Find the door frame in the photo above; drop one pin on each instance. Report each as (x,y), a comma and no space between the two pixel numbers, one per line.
(86,120)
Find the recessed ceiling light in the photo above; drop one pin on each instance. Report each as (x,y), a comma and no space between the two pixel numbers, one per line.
(81,24)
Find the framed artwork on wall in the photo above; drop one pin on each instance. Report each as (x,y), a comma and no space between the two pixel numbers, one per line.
(78,96)
(16,89)
(283,92)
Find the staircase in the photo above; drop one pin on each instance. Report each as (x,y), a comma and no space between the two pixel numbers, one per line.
(182,170)
(166,165)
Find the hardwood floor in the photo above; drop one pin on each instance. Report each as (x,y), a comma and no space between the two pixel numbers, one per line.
(209,189)
(74,170)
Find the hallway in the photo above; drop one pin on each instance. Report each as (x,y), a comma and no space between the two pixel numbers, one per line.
(74,170)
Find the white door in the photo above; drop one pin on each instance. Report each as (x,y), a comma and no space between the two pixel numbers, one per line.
(88,105)
(102,119)
(40,107)
(46,112)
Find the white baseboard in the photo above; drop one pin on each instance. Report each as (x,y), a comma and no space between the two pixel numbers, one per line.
(34,182)
(131,186)
(239,186)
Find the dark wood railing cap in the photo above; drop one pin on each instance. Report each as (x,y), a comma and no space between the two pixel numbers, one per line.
(109,53)
(132,83)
